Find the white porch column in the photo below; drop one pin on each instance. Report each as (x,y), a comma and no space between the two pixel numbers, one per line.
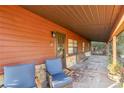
(114,49)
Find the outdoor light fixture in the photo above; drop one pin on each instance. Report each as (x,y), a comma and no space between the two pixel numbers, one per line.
(53,34)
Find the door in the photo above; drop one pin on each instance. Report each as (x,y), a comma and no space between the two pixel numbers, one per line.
(60,47)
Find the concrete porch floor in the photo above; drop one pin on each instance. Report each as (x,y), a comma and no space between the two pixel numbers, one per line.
(92,73)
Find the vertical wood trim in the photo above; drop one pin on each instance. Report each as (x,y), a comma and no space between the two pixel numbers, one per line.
(114,50)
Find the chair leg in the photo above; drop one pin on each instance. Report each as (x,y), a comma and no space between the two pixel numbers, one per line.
(1,85)
(49,80)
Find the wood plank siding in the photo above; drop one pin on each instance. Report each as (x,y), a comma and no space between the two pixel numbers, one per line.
(26,37)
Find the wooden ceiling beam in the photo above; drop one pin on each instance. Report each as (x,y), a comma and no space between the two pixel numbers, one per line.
(119,22)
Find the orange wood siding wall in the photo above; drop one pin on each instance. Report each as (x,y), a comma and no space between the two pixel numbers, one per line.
(26,37)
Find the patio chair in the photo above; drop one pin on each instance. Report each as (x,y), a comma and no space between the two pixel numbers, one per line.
(56,76)
(19,76)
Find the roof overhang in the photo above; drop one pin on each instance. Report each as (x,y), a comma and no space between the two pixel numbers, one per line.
(94,22)
(119,25)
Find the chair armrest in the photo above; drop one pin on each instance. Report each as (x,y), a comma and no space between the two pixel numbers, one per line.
(48,73)
(1,85)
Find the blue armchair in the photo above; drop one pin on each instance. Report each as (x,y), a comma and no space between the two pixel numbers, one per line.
(56,77)
(19,76)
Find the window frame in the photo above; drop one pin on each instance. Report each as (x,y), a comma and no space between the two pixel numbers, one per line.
(83,46)
(73,45)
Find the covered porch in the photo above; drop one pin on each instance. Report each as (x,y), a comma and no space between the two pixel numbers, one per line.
(93,73)
(33,34)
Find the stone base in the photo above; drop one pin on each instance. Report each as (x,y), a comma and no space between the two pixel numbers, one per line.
(1,79)
(41,76)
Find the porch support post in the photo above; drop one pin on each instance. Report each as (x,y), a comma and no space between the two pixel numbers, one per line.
(114,49)
(107,49)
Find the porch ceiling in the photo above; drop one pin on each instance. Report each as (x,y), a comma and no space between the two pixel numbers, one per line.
(93,22)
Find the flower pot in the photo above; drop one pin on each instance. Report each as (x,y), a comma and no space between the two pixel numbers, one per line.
(114,77)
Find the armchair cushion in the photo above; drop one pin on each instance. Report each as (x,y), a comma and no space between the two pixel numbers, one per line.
(60,80)
(54,66)
(19,76)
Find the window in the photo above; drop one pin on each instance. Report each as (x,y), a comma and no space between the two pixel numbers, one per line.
(83,46)
(75,47)
(72,46)
(88,46)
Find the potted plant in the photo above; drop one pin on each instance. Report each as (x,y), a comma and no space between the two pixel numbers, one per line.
(122,77)
(114,72)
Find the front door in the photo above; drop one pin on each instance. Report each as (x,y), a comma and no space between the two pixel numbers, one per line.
(60,47)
